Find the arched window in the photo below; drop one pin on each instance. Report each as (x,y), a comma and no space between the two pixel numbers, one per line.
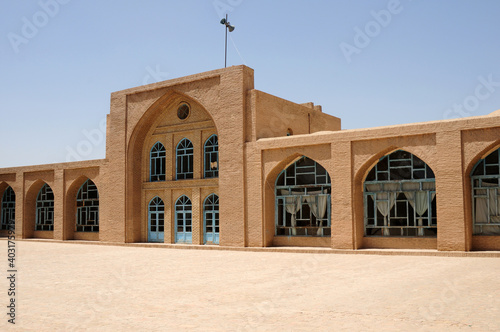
(157,163)
(45,209)
(486,195)
(211,219)
(212,157)
(184,160)
(303,200)
(183,220)
(8,209)
(87,206)
(399,197)
(156,220)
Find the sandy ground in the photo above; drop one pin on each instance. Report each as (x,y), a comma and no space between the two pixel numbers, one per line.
(73,287)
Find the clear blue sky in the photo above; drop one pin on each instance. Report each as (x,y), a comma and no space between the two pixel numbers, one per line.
(368,69)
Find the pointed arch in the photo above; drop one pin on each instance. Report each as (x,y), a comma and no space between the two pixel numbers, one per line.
(30,210)
(399,197)
(164,108)
(87,208)
(485,181)
(8,209)
(302,205)
(44,220)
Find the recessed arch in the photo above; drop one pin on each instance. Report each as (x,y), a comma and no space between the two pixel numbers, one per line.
(87,207)
(399,197)
(44,220)
(70,214)
(39,211)
(303,194)
(269,227)
(141,133)
(7,208)
(481,155)
(485,193)
(273,170)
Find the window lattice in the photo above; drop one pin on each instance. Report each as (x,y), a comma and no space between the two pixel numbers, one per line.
(303,200)
(211,218)
(184,160)
(399,197)
(157,163)
(486,195)
(87,203)
(45,209)
(211,157)
(8,208)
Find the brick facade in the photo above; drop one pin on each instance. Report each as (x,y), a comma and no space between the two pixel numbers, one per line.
(254,148)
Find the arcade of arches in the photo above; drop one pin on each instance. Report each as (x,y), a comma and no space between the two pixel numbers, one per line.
(208,160)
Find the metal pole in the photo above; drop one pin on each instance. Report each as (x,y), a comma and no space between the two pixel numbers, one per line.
(225,56)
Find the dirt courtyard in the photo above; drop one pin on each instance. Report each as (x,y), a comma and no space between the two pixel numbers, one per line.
(74,287)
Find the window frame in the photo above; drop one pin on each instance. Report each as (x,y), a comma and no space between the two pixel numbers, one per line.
(396,181)
(87,206)
(483,177)
(157,160)
(210,156)
(45,209)
(184,160)
(289,190)
(183,206)
(211,208)
(8,209)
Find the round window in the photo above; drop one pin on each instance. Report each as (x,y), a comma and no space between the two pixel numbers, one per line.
(183,111)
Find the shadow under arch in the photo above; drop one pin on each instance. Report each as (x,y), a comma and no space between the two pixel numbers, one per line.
(30,201)
(69,228)
(358,188)
(135,168)
(479,156)
(269,223)
(3,185)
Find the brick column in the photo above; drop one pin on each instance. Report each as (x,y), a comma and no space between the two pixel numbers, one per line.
(197,221)
(59,191)
(169,217)
(450,192)
(341,198)
(197,155)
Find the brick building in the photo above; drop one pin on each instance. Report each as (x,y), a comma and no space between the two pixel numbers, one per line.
(207,159)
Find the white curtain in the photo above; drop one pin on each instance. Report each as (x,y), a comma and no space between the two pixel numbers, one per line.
(485,215)
(420,203)
(317,204)
(292,205)
(385,200)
